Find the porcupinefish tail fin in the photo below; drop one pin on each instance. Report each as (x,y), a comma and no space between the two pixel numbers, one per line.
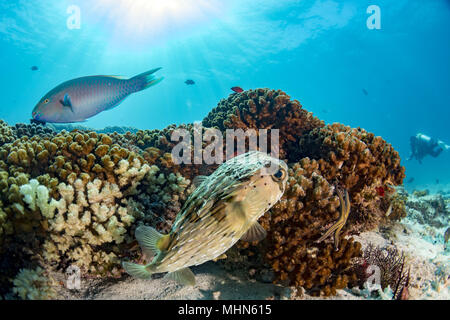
(183,276)
(136,270)
(145,80)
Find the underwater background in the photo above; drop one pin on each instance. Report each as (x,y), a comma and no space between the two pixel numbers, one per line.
(392,81)
(77,203)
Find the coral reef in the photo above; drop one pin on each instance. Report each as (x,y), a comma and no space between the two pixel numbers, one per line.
(360,162)
(393,273)
(106,130)
(76,197)
(428,209)
(30,130)
(34,285)
(162,197)
(6,133)
(66,200)
(265,109)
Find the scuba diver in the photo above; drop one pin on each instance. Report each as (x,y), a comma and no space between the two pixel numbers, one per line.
(421,145)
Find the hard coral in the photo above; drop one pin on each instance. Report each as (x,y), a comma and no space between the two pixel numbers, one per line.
(264,109)
(30,130)
(34,285)
(7,134)
(359,162)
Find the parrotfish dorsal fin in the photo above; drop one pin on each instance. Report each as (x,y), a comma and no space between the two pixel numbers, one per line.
(151,241)
(116,77)
(183,276)
(198,180)
(255,233)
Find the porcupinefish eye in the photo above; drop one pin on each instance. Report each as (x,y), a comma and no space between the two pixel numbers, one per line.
(46,101)
(279,175)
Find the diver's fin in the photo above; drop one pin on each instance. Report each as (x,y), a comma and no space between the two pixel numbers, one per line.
(198,180)
(136,270)
(146,79)
(150,240)
(67,102)
(255,233)
(183,276)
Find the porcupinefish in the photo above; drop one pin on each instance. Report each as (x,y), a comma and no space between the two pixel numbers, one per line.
(223,208)
(79,99)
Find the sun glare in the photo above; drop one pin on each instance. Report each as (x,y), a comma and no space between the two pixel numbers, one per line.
(155,17)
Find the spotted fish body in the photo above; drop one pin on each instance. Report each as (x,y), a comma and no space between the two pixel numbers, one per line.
(223,208)
(79,99)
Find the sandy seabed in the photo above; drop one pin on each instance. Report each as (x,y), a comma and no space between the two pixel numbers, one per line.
(427,261)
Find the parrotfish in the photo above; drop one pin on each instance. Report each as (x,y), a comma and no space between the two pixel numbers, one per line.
(223,208)
(79,99)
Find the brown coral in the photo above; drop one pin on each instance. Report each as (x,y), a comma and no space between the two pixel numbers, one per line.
(264,109)
(360,162)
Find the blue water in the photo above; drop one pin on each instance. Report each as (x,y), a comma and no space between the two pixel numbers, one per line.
(319,52)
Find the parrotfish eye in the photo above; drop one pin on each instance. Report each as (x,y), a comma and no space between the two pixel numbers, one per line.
(279,175)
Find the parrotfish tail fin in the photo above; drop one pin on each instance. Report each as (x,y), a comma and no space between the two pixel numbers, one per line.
(183,276)
(136,270)
(146,80)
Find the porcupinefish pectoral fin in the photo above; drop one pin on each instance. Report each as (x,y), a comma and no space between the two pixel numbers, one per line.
(151,241)
(183,276)
(136,270)
(255,233)
(222,256)
(198,180)
(66,102)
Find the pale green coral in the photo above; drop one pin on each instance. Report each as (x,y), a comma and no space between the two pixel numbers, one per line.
(166,187)
(34,285)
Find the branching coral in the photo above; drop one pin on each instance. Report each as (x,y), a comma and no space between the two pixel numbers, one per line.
(6,133)
(76,208)
(34,285)
(162,196)
(264,109)
(30,130)
(359,162)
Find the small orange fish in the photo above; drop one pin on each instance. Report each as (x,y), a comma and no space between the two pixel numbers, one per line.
(380,191)
(237,89)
